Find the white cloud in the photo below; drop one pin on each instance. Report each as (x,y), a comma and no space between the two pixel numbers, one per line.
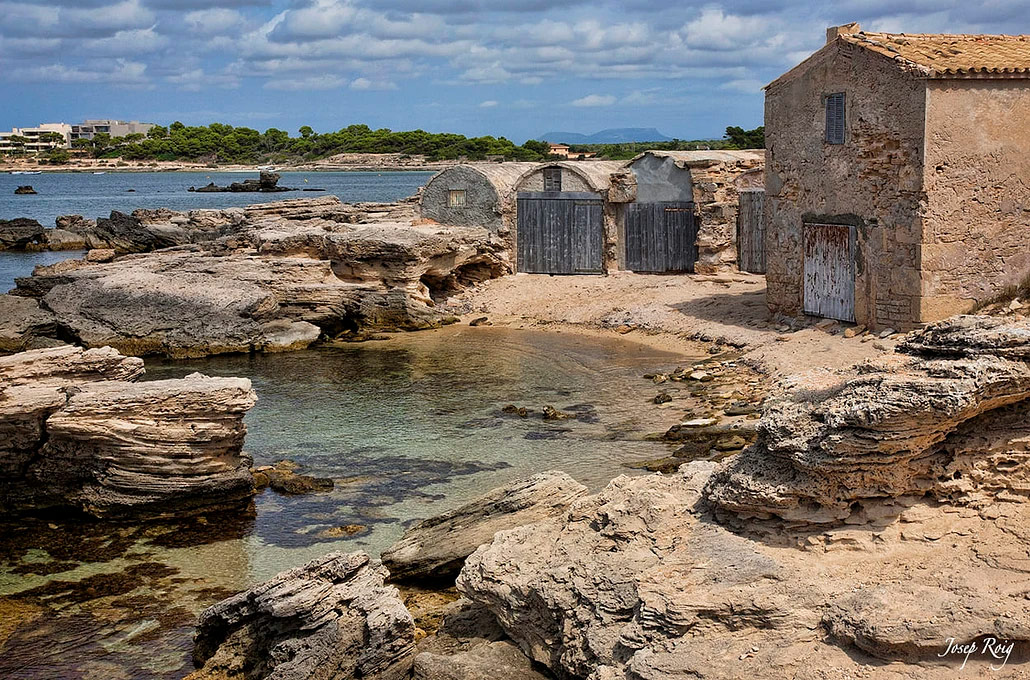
(197,79)
(592,100)
(488,104)
(214,21)
(320,82)
(716,30)
(121,72)
(745,85)
(366,84)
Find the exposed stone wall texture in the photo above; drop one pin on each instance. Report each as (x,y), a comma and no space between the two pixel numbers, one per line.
(873,180)
(716,200)
(976,234)
(482,204)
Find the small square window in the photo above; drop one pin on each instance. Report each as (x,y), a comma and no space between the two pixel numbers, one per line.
(835,118)
(456,198)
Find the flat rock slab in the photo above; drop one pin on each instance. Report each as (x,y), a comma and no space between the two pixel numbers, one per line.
(331,619)
(500,660)
(437,547)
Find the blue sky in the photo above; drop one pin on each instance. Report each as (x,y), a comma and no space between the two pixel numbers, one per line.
(517,69)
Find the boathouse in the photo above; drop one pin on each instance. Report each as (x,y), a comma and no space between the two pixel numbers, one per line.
(565,222)
(473,195)
(896,176)
(678,210)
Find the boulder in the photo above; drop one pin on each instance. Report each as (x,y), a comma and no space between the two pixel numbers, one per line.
(60,239)
(499,660)
(20,233)
(436,548)
(25,190)
(76,432)
(332,619)
(23,322)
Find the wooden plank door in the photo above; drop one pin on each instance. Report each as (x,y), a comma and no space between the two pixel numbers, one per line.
(587,236)
(829,271)
(559,233)
(751,231)
(660,237)
(680,236)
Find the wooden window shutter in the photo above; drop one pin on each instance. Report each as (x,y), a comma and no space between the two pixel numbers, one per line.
(552,179)
(835,118)
(456,198)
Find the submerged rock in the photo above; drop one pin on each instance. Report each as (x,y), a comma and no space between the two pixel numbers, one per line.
(76,432)
(437,547)
(332,619)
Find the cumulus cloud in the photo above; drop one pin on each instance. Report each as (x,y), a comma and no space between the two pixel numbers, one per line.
(366,84)
(594,100)
(214,21)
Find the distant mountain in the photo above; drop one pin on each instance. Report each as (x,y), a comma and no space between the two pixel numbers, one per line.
(613,136)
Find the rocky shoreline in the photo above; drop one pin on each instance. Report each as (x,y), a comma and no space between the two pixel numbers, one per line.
(873,519)
(271,277)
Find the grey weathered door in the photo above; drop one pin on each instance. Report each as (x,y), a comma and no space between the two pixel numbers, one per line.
(660,237)
(829,271)
(560,233)
(751,231)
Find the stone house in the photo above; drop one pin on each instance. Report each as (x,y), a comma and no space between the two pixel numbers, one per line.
(896,177)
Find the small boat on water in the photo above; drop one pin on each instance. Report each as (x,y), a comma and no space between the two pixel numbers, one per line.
(100,173)
(26,172)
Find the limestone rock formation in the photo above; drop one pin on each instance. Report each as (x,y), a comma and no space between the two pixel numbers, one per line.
(836,445)
(77,432)
(332,619)
(499,660)
(270,278)
(20,233)
(23,323)
(437,547)
(881,512)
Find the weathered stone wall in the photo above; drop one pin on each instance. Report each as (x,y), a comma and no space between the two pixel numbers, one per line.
(976,234)
(716,199)
(570,181)
(482,204)
(872,181)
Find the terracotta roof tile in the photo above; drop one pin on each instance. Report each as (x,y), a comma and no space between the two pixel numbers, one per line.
(949,56)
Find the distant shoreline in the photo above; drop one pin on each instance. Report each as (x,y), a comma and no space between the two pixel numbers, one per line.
(339,163)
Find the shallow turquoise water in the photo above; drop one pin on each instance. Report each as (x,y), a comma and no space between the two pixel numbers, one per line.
(407,427)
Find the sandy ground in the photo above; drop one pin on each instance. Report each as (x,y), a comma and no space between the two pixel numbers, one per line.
(668,311)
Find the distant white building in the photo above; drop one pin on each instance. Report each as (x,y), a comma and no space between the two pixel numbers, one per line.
(34,136)
(116,128)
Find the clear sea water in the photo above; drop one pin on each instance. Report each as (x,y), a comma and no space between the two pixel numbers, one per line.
(89,195)
(407,427)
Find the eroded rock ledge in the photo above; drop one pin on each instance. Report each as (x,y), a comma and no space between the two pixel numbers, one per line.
(77,432)
(331,619)
(270,277)
(882,511)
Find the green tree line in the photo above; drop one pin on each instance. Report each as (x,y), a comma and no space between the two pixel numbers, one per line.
(736,138)
(220,143)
